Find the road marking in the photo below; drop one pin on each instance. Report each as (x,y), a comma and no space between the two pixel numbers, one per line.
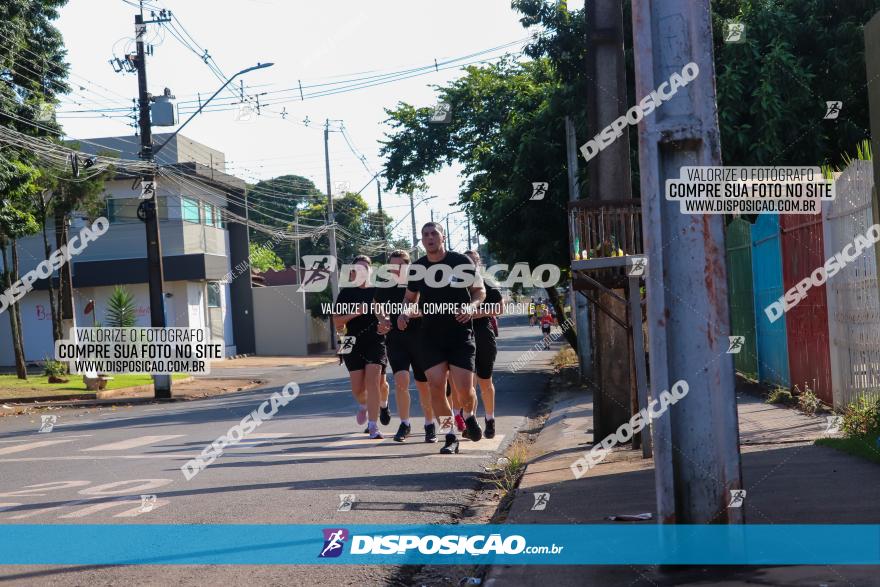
(129,513)
(65,436)
(37,512)
(258,438)
(134,442)
(32,445)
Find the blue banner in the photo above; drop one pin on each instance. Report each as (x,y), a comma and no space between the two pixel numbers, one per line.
(268,544)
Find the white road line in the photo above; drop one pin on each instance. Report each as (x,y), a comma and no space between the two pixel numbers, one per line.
(485,444)
(65,436)
(32,445)
(134,442)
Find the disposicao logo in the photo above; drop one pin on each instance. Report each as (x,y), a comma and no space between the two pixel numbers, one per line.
(334,539)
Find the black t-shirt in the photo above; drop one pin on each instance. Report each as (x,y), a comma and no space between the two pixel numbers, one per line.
(394,296)
(442,294)
(493,296)
(363,327)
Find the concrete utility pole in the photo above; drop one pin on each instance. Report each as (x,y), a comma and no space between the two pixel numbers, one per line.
(468,216)
(609,173)
(412,217)
(382,221)
(579,304)
(448,234)
(696,441)
(156,275)
(331,218)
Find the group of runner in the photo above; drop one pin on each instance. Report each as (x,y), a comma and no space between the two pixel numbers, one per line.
(447,351)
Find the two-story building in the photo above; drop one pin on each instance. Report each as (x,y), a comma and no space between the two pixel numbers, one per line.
(199,248)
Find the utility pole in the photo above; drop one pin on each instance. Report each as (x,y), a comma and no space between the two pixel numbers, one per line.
(331,218)
(468,216)
(161,383)
(432,215)
(579,304)
(412,216)
(696,441)
(448,234)
(382,221)
(610,179)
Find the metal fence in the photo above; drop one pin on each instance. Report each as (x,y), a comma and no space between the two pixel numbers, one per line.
(853,302)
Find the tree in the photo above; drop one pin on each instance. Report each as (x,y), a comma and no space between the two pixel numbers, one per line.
(17,181)
(263,258)
(121,309)
(275,201)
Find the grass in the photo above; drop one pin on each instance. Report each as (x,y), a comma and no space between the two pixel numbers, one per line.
(12,387)
(507,473)
(566,357)
(865,447)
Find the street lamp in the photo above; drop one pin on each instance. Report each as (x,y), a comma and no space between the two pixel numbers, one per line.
(205,103)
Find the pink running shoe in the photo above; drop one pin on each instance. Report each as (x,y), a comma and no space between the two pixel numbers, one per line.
(459,422)
(361,416)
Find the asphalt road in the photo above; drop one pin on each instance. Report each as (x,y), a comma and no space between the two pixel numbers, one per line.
(95,464)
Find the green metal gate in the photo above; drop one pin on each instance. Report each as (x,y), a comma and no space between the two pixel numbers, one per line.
(740,293)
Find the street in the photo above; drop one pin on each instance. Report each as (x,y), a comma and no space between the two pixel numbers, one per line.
(93,468)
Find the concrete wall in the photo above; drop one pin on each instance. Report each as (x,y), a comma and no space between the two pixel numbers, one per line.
(281,321)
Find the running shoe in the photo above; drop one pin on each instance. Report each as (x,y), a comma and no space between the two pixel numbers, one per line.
(402,432)
(376,435)
(430,432)
(489,432)
(459,422)
(385,416)
(451,445)
(361,416)
(474,433)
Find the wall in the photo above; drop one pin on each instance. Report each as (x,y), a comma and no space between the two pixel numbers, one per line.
(280,321)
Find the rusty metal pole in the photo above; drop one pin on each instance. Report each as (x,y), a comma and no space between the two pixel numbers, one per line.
(609,179)
(696,442)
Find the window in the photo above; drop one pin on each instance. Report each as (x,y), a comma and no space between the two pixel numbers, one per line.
(214,294)
(209,214)
(190,210)
(125,209)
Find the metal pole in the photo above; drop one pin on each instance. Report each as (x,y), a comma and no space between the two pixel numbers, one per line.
(448,234)
(696,441)
(156,277)
(331,220)
(579,304)
(469,230)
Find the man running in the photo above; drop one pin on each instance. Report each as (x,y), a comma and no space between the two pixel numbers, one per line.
(487,349)
(366,360)
(403,349)
(447,337)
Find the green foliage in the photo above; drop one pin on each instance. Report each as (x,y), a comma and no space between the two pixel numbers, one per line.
(780,395)
(263,258)
(53,368)
(121,309)
(808,402)
(862,417)
(314,301)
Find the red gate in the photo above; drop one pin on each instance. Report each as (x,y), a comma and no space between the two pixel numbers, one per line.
(808,355)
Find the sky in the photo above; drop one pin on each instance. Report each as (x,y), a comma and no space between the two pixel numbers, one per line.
(309,43)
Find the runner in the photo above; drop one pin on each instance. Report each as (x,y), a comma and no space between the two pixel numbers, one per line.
(487,349)
(366,359)
(546,325)
(447,338)
(403,349)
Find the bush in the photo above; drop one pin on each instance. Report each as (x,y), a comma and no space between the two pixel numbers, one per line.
(808,403)
(780,395)
(862,417)
(54,368)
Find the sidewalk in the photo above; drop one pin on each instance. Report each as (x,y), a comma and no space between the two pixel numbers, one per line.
(788,480)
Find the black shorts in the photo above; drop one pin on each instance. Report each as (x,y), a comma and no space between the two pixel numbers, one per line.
(363,354)
(452,344)
(487,351)
(545,328)
(403,352)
